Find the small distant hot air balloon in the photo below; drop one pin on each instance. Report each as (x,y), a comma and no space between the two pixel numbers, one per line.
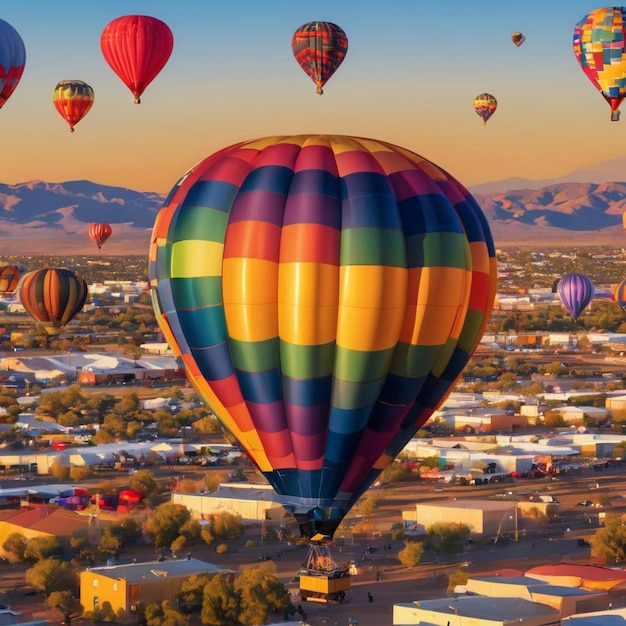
(137,47)
(323,306)
(9,279)
(319,49)
(518,39)
(12,60)
(619,295)
(52,297)
(72,99)
(576,291)
(485,106)
(600,49)
(99,233)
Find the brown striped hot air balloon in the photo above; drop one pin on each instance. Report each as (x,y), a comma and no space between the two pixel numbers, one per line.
(319,49)
(52,297)
(9,279)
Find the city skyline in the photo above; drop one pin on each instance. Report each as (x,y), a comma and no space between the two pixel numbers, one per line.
(410,77)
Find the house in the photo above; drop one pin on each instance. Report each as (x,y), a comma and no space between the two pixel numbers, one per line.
(131,587)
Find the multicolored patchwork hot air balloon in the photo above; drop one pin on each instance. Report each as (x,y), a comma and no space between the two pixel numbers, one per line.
(600,49)
(576,291)
(99,233)
(319,49)
(12,60)
(323,294)
(9,279)
(137,47)
(518,39)
(52,297)
(485,106)
(72,99)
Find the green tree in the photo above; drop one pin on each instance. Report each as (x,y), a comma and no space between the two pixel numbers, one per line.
(51,575)
(80,473)
(164,525)
(69,606)
(60,472)
(260,595)
(15,546)
(192,590)
(411,554)
(220,603)
(164,614)
(223,527)
(39,548)
(457,577)
(369,505)
(446,537)
(143,482)
(394,472)
(609,542)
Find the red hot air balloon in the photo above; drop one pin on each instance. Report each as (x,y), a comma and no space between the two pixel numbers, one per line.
(12,60)
(72,99)
(137,47)
(99,233)
(319,48)
(52,297)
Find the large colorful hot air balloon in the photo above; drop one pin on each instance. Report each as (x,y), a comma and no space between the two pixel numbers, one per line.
(319,49)
(137,47)
(99,233)
(72,99)
(323,294)
(52,297)
(9,279)
(518,39)
(619,295)
(12,60)
(600,49)
(576,291)
(485,106)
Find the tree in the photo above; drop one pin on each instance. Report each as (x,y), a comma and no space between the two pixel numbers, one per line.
(60,472)
(164,525)
(66,603)
(458,577)
(260,594)
(223,527)
(446,537)
(610,542)
(51,575)
(192,590)
(411,554)
(369,505)
(80,473)
(15,546)
(220,603)
(39,548)
(143,482)
(164,614)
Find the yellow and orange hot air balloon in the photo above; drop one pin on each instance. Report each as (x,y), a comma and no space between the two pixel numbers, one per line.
(99,233)
(73,99)
(9,279)
(52,297)
(485,106)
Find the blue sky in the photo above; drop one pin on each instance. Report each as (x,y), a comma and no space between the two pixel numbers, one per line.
(410,76)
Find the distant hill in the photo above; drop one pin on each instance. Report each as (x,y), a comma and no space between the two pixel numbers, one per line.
(52,218)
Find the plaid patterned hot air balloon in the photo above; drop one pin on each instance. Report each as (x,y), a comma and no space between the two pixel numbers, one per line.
(319,48)
(323,294)
(600,49)
(12,60)
(485,106)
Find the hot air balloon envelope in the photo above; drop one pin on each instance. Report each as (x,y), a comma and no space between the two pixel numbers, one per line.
(137,47)
(9,279)
(319,49)
(323,293)
(600,49)
(619,294)
(576,291)
(12,60)
(485,106)
(52,297)
(72,99)
(518,39)
(99,233)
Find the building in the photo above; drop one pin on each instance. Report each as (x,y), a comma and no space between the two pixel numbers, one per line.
(131,587)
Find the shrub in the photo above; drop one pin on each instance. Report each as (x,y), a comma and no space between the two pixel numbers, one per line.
(222,548)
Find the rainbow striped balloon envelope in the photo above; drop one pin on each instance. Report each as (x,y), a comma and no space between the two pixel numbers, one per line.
(323,293)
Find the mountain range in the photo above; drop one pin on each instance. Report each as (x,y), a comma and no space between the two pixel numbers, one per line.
(39,217)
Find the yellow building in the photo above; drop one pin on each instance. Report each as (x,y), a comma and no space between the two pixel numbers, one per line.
(133,586)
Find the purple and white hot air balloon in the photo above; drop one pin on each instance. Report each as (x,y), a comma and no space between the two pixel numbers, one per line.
(576,292)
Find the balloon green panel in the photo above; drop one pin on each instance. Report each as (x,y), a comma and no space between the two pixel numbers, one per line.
(200,223)
(304,362)
(255,356)
(443,358)
(196,292)
(348,395)
(411,361)
(372,246)
(438,250)
(163,263)
(473,322)
(360,366)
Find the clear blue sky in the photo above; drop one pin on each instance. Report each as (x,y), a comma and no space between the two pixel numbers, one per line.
(410,76)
